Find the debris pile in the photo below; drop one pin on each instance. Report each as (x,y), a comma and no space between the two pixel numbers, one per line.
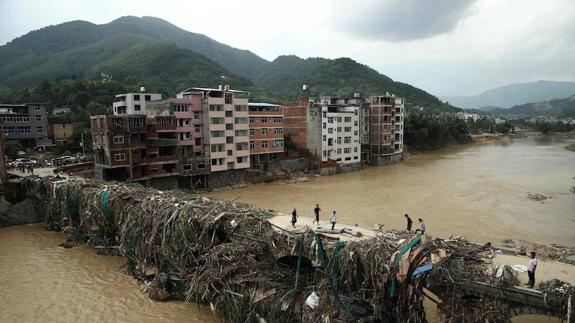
(228,256)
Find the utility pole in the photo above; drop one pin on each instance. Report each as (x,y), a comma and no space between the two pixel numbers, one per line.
(3,174)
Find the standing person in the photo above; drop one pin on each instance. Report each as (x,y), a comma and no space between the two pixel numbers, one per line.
(421,226)
(531,267)
(316,212)
(409,222)
(293,217)
(333,220)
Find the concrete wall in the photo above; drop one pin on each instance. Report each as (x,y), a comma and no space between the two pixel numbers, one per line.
(164,183)
(345,168)
(295,165)
(385,160)
(226,178)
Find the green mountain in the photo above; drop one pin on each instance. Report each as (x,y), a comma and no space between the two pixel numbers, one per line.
(166,58)
(285,76)
(83,49)
(561,108)
(515,94)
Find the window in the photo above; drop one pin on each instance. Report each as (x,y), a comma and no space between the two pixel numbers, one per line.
(347,140)
(339,140)
(137,107)
(324,138)
(339,151)
(38,118)
(347,129)
(180,108)
(197,128)
(147,97)
(347,119)
(229,97)
(120,156)
(264,144)
(252,145)
(252,132)
(252,120)
(39,129)
(137,97)
(230,152)
(278,143)
(338,119)
(324,125)
(278,120)
(264,131)
(196,115)
(36,108)
(230,140)
(356,112)
(338,129)
(355,123)
(354,149)
(118,139)
(216,107)
(264,120)
(330,120)
(198,142)
(201,166)
(347,150)
(241,160)
(229,114)
(355,132)
(278,131)
(229,126)
(329,130)
(241,108)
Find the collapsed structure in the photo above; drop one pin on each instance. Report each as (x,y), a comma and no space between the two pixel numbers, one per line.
(228,256)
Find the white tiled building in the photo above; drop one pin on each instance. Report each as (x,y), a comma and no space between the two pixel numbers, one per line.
(333,130)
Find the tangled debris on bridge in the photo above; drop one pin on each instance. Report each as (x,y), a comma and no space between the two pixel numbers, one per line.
(227,256)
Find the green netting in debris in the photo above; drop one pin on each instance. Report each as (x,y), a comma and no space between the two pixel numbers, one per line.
(321,251)
(106,210)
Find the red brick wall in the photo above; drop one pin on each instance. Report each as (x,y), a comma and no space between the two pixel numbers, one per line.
(295,122)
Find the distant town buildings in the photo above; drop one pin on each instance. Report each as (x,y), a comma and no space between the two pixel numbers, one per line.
(211,137)
(26,123)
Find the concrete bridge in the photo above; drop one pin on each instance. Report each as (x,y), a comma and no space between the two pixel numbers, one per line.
(516,300)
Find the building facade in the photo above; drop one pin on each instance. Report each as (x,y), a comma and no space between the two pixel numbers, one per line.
(295,122)
(386,129)
(266,133)
(226,127)
(26,123)
(333,131)
(133,103)
(62,131)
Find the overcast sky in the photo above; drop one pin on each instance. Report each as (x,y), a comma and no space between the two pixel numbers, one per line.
(447,47)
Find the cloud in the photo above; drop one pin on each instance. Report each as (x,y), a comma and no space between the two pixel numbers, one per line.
(399,20)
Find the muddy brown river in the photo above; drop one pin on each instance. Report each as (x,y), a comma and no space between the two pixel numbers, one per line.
(479,191)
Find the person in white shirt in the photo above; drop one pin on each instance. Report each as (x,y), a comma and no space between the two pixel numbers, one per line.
(531,267)
(333,220)
(421,226)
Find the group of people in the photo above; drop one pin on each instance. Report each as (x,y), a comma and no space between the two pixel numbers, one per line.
(410,224)
(23,167)
(316,212)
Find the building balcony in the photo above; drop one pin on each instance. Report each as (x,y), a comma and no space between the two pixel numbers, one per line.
(161,142)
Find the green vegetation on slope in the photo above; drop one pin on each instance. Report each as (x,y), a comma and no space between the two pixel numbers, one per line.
(427,131)
(561,108)
(285,76)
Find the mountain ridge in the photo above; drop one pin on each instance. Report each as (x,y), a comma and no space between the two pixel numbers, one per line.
(515,94)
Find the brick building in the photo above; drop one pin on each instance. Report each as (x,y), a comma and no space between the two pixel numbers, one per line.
(295,122)
(266,133)
(386,129)
(135,147)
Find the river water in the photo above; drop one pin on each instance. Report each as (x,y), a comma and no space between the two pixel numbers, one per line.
(479,191)
(43,282)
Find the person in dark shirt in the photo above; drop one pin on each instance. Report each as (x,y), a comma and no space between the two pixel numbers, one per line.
(409,222)
(293,218)
(316,212)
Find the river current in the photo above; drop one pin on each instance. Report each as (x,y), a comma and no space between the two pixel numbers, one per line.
(479,191)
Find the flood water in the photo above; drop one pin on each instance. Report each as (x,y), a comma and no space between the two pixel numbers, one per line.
(479,191)
(43,282)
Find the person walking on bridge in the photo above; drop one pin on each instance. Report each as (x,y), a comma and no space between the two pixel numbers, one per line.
(316,212)
(333,220)
(421,226)
(409,222)
(531,267)
(293,217)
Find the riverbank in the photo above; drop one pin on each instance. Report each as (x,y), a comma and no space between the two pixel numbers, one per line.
(480,191)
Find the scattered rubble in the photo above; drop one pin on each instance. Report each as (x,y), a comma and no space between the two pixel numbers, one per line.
(537,196)
(229,256)
(19,213)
